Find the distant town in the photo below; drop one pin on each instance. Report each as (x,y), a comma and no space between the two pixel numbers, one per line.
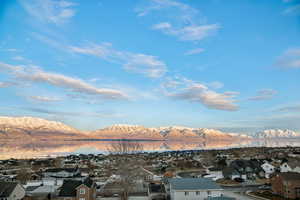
(127,172)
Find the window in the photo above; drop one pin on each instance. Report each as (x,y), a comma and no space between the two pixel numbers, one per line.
(186,193)
(197,193)
(81,198)
(82,191)
(208,193)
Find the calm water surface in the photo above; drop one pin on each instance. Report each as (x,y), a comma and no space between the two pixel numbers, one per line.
(33,149)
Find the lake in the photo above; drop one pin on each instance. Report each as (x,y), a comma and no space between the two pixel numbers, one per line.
(33,149)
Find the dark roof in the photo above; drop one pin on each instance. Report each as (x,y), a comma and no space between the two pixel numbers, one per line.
(156,188)
(54,170)
(289,176)
(68,189)
(242,165)
(229,171)
(193,184)
(6,188)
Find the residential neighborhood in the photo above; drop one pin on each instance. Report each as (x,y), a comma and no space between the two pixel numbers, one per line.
(244,173)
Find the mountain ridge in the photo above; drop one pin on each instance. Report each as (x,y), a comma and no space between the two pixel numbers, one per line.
(11,127)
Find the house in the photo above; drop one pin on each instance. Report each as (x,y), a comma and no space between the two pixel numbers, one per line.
(11,191)
(231,173)
(62,172)
(193,188)
(284,167)
(248,169)
(286,184)
(156,191)
(268,169)
(295,166)
(78,190)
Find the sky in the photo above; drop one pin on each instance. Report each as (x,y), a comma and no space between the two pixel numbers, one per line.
(233,65)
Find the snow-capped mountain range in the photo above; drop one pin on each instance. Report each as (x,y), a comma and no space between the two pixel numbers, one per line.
(170,132)
(16,127)
(277,133)
(31,127)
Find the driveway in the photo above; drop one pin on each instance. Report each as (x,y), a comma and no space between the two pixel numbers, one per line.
(238,196)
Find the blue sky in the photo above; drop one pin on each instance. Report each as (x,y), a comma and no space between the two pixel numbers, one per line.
(227,64)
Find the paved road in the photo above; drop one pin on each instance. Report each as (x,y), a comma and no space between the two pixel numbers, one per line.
(238,196)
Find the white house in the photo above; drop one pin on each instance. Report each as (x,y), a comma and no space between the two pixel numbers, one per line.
(193,189)
(284,167)
(296,169)
(11,191)
(268,169)
(61,172)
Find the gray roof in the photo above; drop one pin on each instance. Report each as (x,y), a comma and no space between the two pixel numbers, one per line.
(220,198)
(6,188)
(193,184)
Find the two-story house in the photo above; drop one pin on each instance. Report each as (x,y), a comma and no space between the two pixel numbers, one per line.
(11,191)
(286,184)
(268,169)
(193,188)
(78,190)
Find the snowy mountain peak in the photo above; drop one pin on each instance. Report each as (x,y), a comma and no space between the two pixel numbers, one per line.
(34,124)
(277,133)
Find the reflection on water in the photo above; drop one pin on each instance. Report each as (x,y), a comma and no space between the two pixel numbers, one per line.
(32,149)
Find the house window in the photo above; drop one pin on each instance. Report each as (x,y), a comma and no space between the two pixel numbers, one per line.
(82,191)
(81,198)
(186,193)
(197,193)
(208,193)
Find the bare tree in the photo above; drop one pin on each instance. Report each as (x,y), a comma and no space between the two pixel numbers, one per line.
(125,147)
(127,163)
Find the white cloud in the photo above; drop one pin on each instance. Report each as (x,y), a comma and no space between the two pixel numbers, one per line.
(37,75)
(289,59)
(194,51)
(148,65)
(188,33)
(183,21)
(44,98)
(186,12)
(72,113)
(264,94)
(216,84)
(50,11)
(19,58)
(189,90)
(6,84)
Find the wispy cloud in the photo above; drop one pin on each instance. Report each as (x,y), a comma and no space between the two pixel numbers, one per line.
(186,12)
(50,11)
(188,33)
(148,65)
(37,75)
(183,21)
(264,94)
(289,108)
(292,10)
(189,90)
(44,98)
(5,84)
(71,113)
(194,51)
(289,59)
